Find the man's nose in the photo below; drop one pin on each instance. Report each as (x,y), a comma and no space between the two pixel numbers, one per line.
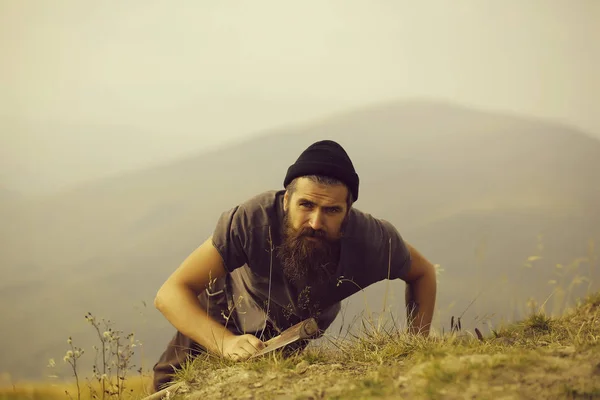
(316,221)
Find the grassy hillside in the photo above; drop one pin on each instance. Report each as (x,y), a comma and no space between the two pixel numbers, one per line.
(538,357)
(472,190)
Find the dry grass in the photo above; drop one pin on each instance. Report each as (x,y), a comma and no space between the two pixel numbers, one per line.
(551,357)
(136,389)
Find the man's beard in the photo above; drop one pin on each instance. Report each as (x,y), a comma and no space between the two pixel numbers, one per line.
(304,260)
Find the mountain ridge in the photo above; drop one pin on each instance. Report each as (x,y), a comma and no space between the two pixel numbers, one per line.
(418,105)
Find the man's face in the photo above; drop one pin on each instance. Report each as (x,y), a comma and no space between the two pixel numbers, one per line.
(314,216)
(317,208)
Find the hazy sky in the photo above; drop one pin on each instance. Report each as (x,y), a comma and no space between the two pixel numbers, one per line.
(90,88)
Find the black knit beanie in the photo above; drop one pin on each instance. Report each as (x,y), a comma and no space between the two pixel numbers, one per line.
(327,158)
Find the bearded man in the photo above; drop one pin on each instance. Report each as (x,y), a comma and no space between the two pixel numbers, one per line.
(284,256)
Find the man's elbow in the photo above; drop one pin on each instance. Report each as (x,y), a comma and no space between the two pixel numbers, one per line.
(158,300)
(169,295)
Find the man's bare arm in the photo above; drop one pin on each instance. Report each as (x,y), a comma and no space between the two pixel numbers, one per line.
(177,300)
(420,294)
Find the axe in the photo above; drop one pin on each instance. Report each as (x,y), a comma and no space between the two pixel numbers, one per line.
(302,330)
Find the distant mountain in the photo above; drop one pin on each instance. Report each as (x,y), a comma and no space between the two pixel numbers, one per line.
(473,190)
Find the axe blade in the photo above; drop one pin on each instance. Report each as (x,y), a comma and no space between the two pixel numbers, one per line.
(302,330)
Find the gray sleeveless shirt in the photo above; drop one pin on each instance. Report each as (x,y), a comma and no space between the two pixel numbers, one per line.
(255,289)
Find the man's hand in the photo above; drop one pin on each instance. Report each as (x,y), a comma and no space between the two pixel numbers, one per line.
(420,293)
(177,300)
(241,347)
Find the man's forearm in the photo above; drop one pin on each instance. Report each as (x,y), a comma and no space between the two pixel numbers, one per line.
(182,309)
(420,302)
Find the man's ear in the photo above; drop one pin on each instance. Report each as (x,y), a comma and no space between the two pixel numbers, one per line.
(286,198)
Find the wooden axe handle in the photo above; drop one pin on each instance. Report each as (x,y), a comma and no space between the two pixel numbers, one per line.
(305,329)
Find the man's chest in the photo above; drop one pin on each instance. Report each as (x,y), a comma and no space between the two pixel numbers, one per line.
(261,284)
(293,299)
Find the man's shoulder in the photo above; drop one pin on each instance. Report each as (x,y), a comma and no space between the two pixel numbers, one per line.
(370,235)
(240,231)
(262,201)
(362,225)
(260,209)
(375,242)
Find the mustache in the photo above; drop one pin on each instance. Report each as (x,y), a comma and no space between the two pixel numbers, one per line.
(310,232)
